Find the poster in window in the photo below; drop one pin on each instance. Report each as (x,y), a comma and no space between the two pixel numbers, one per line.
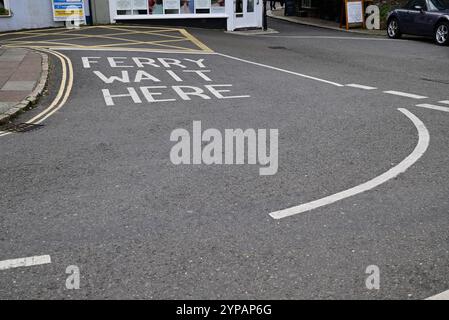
(218,6)
(186,6)
(171,5)
(202,4)
(155,6)
(140,4)
(124,5)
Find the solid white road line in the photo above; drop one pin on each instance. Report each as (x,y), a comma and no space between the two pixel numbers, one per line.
(359,86)
(24,262)
(282,70)
(441,296)
(444,102)
(327,37)
(420,149)
(406,95)
(432,106)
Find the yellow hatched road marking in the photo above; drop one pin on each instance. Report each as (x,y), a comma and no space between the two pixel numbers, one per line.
(118,38)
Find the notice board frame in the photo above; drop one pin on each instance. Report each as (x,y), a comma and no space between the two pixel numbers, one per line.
(345,15)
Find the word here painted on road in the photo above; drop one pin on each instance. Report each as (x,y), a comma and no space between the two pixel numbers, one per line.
(153,80)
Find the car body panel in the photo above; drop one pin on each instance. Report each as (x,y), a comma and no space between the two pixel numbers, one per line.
(419,22)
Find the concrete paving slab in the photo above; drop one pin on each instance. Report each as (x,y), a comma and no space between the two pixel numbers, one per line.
(18,86)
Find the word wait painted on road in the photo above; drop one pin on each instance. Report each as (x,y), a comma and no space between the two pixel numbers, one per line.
(153,80)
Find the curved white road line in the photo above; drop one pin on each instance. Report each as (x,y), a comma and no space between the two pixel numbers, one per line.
(420,149)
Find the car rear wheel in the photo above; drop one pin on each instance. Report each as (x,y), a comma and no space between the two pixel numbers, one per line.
(393,30)
(442,34)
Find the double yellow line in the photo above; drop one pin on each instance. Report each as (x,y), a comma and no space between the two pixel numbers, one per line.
(64,89)
(62,95)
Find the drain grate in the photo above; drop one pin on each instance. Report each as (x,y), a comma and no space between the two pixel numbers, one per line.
(22,127)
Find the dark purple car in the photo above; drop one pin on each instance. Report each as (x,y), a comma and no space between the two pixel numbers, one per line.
(428,18)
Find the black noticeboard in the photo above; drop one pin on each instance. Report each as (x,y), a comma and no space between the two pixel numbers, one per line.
(290,8)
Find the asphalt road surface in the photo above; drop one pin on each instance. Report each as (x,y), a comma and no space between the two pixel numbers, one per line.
(93,185)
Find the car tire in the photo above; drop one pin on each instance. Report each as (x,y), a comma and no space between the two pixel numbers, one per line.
(393,29)
(442,34)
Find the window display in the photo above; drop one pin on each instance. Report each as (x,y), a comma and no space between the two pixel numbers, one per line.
(160,7)
(218,6)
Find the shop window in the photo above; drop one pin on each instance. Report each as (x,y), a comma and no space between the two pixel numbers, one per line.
(5,10)
(250,6)
(156,7)
(132,7)
(306,4)
(218,6)
(238,8)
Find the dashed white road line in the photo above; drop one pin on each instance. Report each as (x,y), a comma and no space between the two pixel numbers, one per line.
(444,102)
(441,296)
(360,86)
(406,95)
(24,262)
(420,149)
(432,106)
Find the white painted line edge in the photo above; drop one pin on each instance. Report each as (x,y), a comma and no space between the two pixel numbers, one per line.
(420,149)
(441,296)
(282,70)
(444,102)
(360,86)
(432,106)
(132,50)
(406,95)
(327,37)
(24,262)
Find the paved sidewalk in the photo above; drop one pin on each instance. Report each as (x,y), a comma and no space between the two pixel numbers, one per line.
(315,22)
(23,75)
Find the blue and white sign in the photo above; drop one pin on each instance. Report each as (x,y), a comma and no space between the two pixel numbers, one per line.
(68,10)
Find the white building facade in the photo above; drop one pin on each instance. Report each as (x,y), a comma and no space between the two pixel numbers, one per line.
(26,14)
(237,13)
(232,14)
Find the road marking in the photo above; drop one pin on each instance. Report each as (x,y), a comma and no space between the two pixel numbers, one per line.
(359,86)
(405,94)
(441,296)
(444,102)
(60,98)
(282,70)
(51,110)
(432,106)
(420,149)
(128,50)
(194,40)
(328,37)
(24,262)
(166,36)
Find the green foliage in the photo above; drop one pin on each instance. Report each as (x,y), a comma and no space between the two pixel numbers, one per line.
(4,12)
(386,6)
